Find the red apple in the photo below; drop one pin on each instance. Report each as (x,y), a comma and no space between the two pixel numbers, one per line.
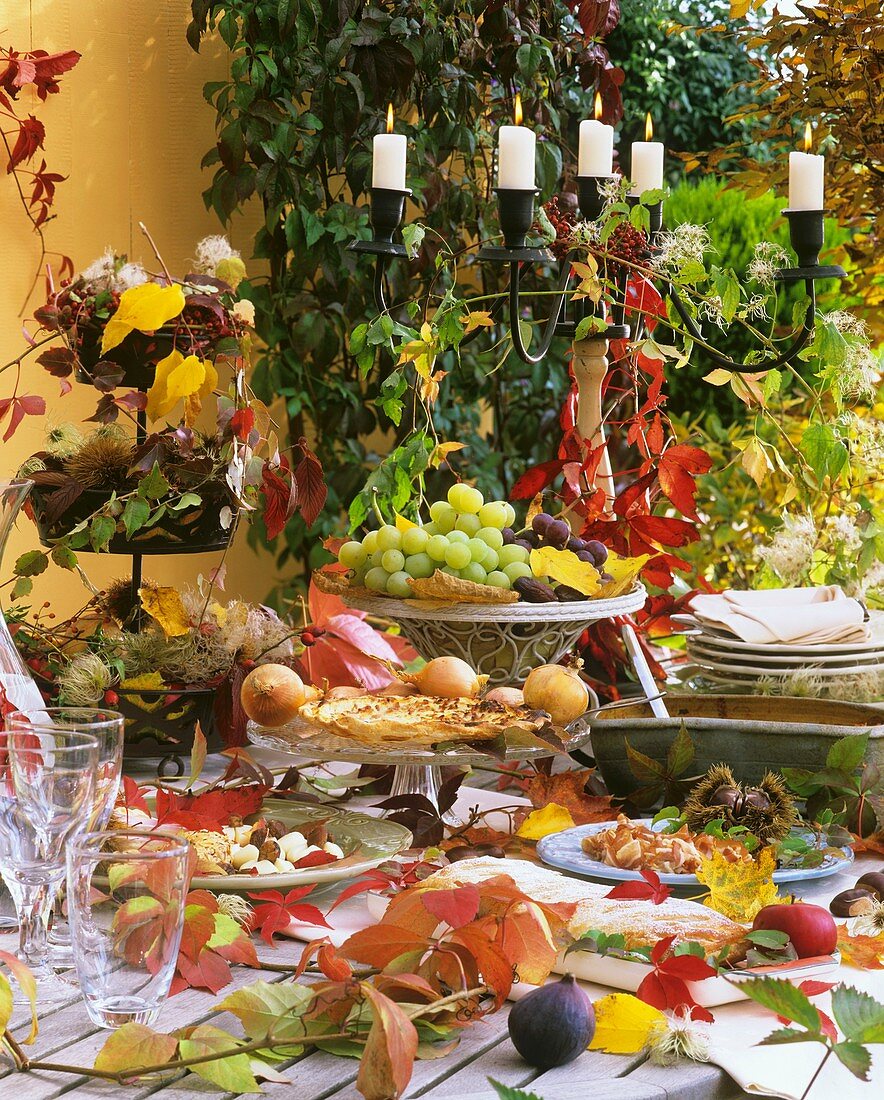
(810,927)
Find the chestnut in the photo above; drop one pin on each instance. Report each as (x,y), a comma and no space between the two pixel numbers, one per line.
(493,850)
(852,903)
(873,881)
(461,851)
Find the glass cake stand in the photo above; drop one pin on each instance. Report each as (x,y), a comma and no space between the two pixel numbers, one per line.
(417,768)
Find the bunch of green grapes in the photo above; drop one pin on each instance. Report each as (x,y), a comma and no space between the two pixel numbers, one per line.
(466,537)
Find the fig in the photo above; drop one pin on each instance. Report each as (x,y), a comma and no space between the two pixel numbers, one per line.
(811,928)
(461,851)
(566,594)
(852,903)
(534,591)
(552,1025)
(873,881)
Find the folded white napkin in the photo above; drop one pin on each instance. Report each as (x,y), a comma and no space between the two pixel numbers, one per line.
(801,616)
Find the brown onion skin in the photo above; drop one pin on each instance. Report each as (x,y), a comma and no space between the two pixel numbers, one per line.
(272,695)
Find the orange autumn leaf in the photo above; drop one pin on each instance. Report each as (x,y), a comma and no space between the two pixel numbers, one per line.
(873,843)
(862,952)
(567,789)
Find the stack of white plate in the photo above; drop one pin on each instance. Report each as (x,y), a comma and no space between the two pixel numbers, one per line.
(724,660)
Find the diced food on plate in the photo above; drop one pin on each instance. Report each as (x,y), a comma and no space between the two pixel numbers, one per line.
(634,845)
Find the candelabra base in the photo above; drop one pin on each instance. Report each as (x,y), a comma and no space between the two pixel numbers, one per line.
(377,248)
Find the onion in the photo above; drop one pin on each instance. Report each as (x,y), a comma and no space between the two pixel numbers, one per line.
(311,693)
(344,692)
(448,678)
(557,690)
(271,695)
(506,696)
(398,687)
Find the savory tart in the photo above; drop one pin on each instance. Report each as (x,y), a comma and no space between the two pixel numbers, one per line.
(415,719)
(641,923)
(632,846)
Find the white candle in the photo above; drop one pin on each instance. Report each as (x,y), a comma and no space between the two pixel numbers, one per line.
(646,170)
(388,157)
(806,178)
(595,156)
(515,154)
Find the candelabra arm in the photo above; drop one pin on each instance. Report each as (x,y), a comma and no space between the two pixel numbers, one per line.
(550,330)
(802,337)
(380,270)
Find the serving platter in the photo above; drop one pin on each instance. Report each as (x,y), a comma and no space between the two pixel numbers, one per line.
(754,671)
(703,648)
(875,640)
(564,852)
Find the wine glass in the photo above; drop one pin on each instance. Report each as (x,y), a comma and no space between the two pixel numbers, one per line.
(127,893)
(108,728)
(47,778)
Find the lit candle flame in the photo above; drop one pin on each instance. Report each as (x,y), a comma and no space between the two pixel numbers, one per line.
(649,127)
(598,105)
(389,118)
(808,138)
(517,110)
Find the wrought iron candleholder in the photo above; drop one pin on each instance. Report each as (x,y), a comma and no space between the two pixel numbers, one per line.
(589,359)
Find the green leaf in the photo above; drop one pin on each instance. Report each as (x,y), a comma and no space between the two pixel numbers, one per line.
(681,752)
(186,500)
(768,937)
(822,448)
(858,1014)
(63,556)
(413,237)
(773,381)
(643,767)
(31,564)
(784,999)
(263,1005)
(510,1092)
(135,515)
(791,1035)
(135,1045)
(6,1002)
(587,326)
(153,485)
(101,531)
(23,586)
(855,1058)
(848,752)
(232,1073)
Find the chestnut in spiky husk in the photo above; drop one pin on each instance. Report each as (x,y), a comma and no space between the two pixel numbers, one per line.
(102,462)
(767,811)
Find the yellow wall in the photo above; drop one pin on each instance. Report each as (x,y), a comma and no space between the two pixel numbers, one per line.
(128,128)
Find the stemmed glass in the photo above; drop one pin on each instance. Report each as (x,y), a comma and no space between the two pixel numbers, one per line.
(47,778)
(108,728)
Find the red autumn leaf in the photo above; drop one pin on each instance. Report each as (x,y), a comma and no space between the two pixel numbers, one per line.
(241,423)
(666,985)
(649,890)
(199,927)
(642,297)
(47,67)
(210,809)
(276,912)
(280,498)
(27,405)
(131,796)
(315,859)
(310,484)
(536,479)
(59,362)
(455,907)
(208,971)
(676,471)
(31,133)
(666,530)
(495,968)
(381,944)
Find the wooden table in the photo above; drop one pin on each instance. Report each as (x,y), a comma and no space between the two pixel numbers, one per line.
(66,1035)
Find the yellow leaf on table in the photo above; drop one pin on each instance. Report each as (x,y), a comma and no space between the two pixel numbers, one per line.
(146,307)
(739,890)
(147,681)
(565,567)
(553,818)
(164,605)
(623,1024)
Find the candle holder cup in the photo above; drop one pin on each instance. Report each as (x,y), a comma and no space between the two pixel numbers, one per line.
(655,214)
(515,207)
(806,235)
(387,208)
(590,197)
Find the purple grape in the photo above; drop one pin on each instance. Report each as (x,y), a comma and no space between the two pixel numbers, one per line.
(508,536)
(529,536)
(557,534)
(585,555)
(606,577)
(541,523)
(575,544)
(598,550)
(524,543)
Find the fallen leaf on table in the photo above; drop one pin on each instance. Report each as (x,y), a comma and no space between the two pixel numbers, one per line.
(739,890)
(442,586)
(862,952)
(567,789)
(540,823)
(623,1024)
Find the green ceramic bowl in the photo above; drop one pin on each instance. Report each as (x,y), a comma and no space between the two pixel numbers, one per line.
(751,733)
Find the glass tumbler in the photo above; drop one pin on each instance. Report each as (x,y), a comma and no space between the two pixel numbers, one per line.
(126,912)
(108,729)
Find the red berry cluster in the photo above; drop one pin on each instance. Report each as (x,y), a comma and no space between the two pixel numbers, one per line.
(628,244)
(562,221)
(311,635)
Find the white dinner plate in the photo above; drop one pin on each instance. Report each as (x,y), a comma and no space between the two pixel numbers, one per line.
(754,671)
(873,642)
(696,648)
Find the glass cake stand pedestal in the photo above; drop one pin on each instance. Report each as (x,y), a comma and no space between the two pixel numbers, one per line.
(417,769)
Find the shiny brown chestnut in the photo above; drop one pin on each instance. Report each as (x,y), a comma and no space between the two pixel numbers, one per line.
(726,796)
(461,851)
(873,881)
(493,850)
(757,799)
(852,903)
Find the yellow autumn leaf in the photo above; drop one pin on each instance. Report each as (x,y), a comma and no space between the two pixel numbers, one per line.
(403,524)
(442,450)
(552,818)
(430,386)
(623,572)
(755,462)
(165,606)
(623,1024)
(178,377)
(565,567)
(589,285)
(478,319)
(422,353)
(147,681)
(146,307)
(739,890)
